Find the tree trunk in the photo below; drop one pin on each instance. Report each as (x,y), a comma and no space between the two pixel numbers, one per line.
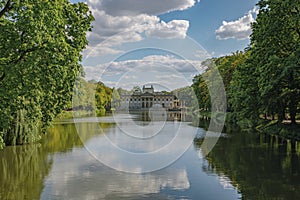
(293,96)
(293,109)
(293,117)
(281,116)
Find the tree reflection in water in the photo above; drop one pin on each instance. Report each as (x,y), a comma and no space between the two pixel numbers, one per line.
(24,168)
(260,166)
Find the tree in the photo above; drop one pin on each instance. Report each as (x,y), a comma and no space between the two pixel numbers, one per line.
(187,96)
(227,65)
(201,91)
(244,93)
(41,43)
(103,98)
(275,43)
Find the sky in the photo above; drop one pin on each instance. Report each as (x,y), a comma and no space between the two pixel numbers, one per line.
(164,42)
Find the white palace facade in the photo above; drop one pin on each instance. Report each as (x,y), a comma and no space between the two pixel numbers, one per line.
(145,98)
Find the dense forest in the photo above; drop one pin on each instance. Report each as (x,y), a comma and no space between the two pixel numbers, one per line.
(263,82)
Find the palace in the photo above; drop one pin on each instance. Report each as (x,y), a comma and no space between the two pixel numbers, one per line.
(148,98)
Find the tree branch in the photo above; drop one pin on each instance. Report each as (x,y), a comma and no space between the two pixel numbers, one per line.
(2,77)
(22,55)
(7,7)
(24,52)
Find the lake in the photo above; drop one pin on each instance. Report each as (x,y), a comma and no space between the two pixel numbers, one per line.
(78,161)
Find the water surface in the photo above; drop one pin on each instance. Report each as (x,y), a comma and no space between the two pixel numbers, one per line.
(247,166)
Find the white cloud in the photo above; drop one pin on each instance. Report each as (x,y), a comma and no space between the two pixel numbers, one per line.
(239,29)
(118,22)
(166,70)
(102,183)
(202,54)
(100,50)
(173,29)
(137,7)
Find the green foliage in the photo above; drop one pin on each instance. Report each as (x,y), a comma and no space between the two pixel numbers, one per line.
(103,98)
(1,142)
(90,97)
(83,95)
(244,94)
(40,44)
(275,46)
(265,79)
(201,91)
(225,66)
(187,96)
(201,85)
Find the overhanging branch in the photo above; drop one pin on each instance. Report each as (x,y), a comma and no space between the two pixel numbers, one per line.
(7,7)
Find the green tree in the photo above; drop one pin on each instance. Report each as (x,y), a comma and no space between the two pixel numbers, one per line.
(187,96)
(103,98)
(275,44)
(244,94)
(40,43)
(201,91)
(227,65)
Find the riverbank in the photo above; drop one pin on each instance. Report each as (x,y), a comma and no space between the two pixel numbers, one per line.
(270,127)
(288,131)
(82,113)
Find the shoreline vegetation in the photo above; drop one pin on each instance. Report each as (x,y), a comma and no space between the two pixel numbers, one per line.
(39,68)
(285,129)
(262,83)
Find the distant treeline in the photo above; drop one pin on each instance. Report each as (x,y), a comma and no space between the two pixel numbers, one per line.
(91,96)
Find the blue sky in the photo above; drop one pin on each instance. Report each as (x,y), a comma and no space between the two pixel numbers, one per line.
(139,35)
(207,16)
